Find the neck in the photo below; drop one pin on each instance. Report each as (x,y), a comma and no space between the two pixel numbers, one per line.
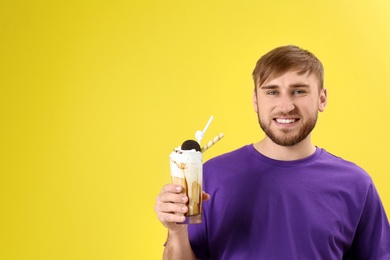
(285,153)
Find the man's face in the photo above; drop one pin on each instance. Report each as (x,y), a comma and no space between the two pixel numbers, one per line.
(287,107)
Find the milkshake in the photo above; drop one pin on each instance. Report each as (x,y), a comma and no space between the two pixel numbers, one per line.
(187,171)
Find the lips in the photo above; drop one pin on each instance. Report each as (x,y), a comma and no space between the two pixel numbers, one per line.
(286,121)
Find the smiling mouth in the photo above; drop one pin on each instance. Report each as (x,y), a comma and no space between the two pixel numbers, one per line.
(286,120)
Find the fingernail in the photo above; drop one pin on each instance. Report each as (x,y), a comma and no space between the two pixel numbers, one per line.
(184,209)
(184,198)
(178,188)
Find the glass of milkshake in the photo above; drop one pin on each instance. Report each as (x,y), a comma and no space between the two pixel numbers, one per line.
(187,171)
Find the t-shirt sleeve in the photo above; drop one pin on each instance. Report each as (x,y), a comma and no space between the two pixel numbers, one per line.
(372,237)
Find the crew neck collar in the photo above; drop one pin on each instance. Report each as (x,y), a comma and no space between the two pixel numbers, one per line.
(251,149)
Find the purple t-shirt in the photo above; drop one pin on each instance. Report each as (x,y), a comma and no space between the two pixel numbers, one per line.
(319,207)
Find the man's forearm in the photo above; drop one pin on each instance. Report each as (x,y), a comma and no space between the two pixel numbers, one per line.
(178,246)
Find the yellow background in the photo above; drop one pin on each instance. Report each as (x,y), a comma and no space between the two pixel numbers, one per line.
(95,94)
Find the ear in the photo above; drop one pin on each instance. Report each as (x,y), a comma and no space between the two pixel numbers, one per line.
(255,101)
(323,99)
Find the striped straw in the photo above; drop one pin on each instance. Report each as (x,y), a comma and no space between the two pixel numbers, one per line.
(212,142)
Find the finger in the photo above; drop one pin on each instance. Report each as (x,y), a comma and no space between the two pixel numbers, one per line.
(169,212)
(173,188)
(171,218)
(171,197)
(171,208)
(205,196)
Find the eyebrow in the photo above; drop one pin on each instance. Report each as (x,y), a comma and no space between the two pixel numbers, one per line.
(299,85)
(295,85)
(269,87)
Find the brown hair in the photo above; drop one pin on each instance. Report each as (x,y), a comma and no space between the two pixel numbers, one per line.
(287,58)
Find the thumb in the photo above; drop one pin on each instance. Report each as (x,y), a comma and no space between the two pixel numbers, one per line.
(205,196)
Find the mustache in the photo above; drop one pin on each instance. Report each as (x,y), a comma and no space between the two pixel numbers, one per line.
(286,115)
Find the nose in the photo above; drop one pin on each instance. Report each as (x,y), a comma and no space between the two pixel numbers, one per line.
(286,105)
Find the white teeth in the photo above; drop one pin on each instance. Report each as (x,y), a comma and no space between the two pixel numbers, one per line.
(285,121)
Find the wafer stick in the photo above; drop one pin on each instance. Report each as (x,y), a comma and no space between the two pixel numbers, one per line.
(212,142)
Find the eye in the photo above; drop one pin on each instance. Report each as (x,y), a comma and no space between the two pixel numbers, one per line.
(298,92)
(272,92)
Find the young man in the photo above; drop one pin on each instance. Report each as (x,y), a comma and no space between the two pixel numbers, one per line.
(283,197)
